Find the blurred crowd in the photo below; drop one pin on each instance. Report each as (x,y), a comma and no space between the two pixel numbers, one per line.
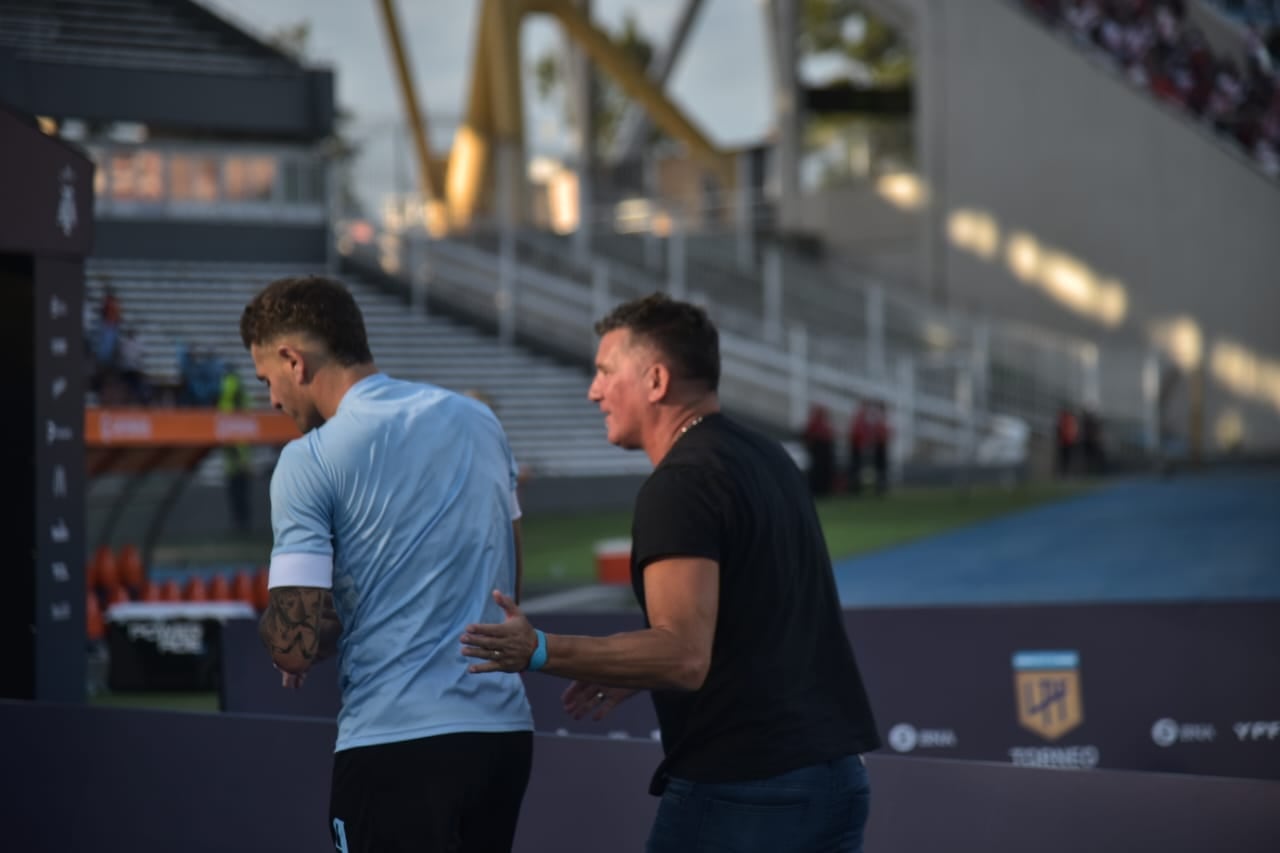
(116,354)
(1155,44)
(868,444)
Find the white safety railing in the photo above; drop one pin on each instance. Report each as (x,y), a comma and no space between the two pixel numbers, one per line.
(773,381)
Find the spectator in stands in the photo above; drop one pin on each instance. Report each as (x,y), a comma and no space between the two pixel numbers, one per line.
(106,347)
(757,690)
(1092,452)
(1155,45)
(112,313)
(879,439)
(398,506)
(236,457)
(133,368)
(819,442)
(858,433)
(1066,434)
(201,375)
(869,436)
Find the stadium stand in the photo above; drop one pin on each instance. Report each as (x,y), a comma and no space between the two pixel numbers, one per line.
(1155,45)
(552,427)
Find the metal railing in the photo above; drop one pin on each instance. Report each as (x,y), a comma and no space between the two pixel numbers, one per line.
(775,382)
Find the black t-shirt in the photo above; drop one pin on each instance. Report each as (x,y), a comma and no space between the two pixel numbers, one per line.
(784,690)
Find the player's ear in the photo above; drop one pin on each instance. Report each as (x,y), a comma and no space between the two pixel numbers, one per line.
(657,381)
(296,361)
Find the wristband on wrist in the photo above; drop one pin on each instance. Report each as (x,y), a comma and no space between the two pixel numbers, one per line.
(539,657)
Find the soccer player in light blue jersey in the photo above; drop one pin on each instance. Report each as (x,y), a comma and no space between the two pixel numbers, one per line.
(394,517)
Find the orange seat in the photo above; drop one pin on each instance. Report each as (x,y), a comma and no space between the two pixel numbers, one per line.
(242,588)
(170,591)
(151,591)
(103,573)
(196,589)
(261,595)
(129,566)
(118,595)
(219,588)
(95,626)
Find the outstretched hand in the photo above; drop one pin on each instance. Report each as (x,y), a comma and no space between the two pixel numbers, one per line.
(586,697)
(503,647)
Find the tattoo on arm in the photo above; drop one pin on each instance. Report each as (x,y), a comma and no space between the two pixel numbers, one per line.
(290,626)
(330,629)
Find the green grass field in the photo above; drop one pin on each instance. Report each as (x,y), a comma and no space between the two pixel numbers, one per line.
(560,550)
(185,701)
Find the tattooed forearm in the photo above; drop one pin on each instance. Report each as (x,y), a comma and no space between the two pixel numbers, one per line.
(330,629)
(290,626)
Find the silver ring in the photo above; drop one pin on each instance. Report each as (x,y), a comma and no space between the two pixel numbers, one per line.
(497,653)
(600,696)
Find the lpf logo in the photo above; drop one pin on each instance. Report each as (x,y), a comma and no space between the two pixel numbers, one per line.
(67,201)
(1047,691)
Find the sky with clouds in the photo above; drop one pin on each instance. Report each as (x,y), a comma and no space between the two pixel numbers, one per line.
(722,79)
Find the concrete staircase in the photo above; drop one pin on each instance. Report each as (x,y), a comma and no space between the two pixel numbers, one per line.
(552,427)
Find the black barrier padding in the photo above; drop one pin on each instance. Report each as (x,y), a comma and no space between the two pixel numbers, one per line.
(107,780)
(1197,669)
(251,685)
(942,683)
(921,804)
(115,779)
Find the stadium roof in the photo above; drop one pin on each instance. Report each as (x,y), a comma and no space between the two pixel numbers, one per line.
(169,63)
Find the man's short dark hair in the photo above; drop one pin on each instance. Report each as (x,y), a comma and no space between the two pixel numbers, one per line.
(681,331)
(312,305)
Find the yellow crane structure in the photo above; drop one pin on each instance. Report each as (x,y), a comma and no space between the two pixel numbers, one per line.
(490,140)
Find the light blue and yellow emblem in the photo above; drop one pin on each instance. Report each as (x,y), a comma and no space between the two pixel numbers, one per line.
(1046,688)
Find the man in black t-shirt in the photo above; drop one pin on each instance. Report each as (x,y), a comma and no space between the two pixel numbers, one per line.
(759,699)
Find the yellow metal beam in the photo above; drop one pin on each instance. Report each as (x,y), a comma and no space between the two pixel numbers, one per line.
(494,122)
(428,182)
(636,83)
(472,144)
(506,101)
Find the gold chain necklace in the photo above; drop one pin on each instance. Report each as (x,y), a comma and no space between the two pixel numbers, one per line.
(690,425)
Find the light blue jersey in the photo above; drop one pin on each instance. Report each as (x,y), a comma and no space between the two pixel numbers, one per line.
(402,504)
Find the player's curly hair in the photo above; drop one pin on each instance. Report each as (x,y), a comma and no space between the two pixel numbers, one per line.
(681,331)
(313,305)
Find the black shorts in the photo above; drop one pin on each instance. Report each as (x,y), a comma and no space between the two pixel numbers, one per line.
(457,792)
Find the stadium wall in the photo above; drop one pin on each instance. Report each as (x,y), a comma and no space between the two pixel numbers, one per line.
(1124,190)
(1127,222)
(227,242)
(116,779)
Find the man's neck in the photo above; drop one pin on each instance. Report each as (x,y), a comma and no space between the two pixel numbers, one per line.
(334,381)
(675,422)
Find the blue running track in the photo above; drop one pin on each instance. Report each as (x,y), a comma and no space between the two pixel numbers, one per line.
(1190,537)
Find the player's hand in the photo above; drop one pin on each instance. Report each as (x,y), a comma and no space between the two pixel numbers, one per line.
(503,647)
(586,697)
(291,680)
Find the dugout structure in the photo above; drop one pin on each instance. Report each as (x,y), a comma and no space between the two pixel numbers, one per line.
(145,445)
(46,231)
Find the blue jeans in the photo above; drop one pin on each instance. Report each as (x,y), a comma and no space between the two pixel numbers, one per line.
(817,809)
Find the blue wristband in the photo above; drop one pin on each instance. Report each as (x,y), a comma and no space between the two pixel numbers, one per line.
(539,657)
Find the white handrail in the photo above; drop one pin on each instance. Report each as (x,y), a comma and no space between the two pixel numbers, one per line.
(772,381)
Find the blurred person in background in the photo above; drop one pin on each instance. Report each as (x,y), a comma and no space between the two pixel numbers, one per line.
(393,517)
(1066,435)
(133,367)
(869,435)
(819,441)
(236,457)
(759,698)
